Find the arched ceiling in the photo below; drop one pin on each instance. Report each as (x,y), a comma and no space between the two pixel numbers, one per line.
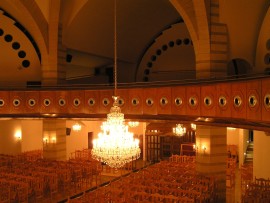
(138,23)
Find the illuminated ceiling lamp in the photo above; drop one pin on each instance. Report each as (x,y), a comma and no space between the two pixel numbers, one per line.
(76,127)
(193,126)
(179,130)
(115,145)
(133,124)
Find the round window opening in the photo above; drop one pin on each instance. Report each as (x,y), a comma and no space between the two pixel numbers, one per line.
(237,101)
(178,101)
(62,102)
(121,102)
(91,102)
(135,101)
(267,101)
(207,101)
(222,101)
(105,101)
(149,102)
(47,102)
(252,100)
(31,102)
(163,101)
(192,101)
(2,102)
(76,102)
(16,102)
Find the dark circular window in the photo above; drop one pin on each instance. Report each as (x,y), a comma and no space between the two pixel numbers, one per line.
(26,63)
(237,101)
(105,101)
(192,101)
(135,101)
(178,41)
(158,52)
(267,101)
(21,54)
(62,102)
(31,102)
(186,41)
(149,102)
(76,102)
(171,44)
(207,101)
(91,102)
(121,102)
(47,102)
(164,47)
(16,45)
(8,38)
(252,100)
(163,101)
(178,101)
(222,101)
(16,102)
(2,102)
(153,58)
(149,64)
(1,32)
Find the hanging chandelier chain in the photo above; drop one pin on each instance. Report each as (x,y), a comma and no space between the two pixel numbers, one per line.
(115,51)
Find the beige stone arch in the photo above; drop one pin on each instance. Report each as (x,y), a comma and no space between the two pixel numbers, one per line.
(30,16)
(209,36)
(187,12)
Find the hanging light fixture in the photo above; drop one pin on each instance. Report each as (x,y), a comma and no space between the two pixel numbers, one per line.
(179,130)
(133,124)
(193,126)
(115,145)
(76,127)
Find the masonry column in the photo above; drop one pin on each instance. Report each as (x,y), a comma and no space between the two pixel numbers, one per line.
(211,143)
(54,139)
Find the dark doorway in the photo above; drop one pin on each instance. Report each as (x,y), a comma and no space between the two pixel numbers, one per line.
(90,140)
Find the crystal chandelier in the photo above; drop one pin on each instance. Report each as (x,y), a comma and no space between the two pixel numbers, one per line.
(115,145)
(179,130)
(76,127)
(133,124)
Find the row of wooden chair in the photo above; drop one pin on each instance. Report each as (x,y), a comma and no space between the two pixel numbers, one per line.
(167,181)
(257,191)
(44,179)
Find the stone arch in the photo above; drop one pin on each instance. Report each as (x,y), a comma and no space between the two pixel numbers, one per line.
(187,12)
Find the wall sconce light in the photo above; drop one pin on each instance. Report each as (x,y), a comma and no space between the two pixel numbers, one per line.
(45,140)
(204,148)
(53,140)
(18,135)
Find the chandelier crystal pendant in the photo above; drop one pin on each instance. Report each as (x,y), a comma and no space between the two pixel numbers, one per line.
(179,130)
(115,145)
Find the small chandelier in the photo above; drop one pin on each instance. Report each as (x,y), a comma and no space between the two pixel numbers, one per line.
(133,124)
(76,127)
(193,126)
(115,145)
(179,130)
